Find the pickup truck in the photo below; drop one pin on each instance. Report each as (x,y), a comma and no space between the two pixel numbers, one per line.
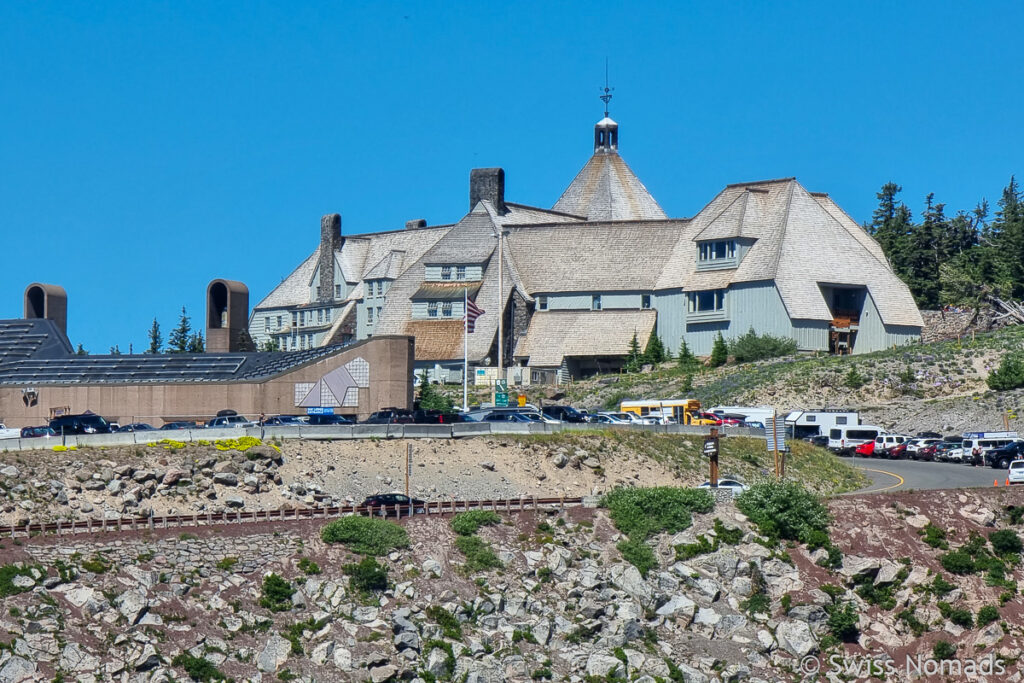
(6,433)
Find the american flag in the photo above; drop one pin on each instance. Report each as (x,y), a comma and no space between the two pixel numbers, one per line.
(472,313)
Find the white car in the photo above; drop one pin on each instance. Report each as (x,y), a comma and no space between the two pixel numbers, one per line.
(736,487)
(916,444)
(1015,475)
(611,419)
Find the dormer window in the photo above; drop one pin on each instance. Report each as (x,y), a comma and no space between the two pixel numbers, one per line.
(717,254)
(446,272)
(432,309)
(460,272)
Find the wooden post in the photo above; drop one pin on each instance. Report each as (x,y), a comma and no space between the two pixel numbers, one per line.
(408,466)
(775,445)
(1006,421)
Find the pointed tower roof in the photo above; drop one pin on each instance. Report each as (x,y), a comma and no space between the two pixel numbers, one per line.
(607,189)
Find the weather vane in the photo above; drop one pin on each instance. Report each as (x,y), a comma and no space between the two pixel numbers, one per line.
(607,96)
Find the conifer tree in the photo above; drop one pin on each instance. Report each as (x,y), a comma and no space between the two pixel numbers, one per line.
(685,359)
(655,351)
(196,344)
(633,358)
(156,340)
(431,398)
(719,352)
(178,342)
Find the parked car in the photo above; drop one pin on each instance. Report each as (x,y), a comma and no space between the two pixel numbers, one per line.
(1015,475)
(925,452)
(513,417)
(735,486)
(949,451)
(1000,458)
(387,502)
(136,427)
(390,416)
(238,421)
(977,444)
(283,421)
(820,440)
(436,417)
(897,452)
(865,450)
(610,419)
(920,442)
(329,420)
(44,432)
(563,413)
(180,424)
(87,423)
(623,418)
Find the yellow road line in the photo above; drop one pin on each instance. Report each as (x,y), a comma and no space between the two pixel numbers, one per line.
(891,474)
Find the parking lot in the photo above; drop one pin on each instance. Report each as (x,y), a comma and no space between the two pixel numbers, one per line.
(890,475)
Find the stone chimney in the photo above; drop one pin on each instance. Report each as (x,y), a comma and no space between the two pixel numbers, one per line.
(489,184)
(330,242)
(417,223)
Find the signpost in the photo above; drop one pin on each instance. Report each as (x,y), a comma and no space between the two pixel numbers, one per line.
(501,393)
(775,438)
(408,467)
(711,452)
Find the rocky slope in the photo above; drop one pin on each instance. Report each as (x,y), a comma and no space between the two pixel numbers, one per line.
(563,605)
(177,479)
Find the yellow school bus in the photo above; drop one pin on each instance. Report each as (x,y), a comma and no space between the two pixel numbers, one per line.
(680,410)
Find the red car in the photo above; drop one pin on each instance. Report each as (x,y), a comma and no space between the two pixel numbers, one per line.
(897,452)
(925,453)
(866,449)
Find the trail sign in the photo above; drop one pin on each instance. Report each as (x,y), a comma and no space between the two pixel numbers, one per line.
(501,399)
(775,434)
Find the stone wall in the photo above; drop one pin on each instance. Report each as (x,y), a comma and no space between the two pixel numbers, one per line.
(952,324)
(183,553)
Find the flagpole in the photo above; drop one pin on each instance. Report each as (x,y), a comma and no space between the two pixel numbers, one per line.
(465,350)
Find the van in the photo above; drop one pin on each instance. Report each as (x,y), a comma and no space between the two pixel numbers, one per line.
(842,439)
(977,444)
(884,442)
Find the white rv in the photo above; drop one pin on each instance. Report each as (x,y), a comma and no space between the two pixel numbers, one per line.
(804,423)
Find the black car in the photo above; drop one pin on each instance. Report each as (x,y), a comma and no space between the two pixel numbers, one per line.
(179,425)
(1000,458)
(387,503)
(564,413)
(283,421)
(136,427)
(329,420)
(390,416)
(820,440)
(88,423)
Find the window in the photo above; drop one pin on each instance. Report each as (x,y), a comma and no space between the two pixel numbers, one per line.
(266,323)
(812,418)
(645,301)
(432,309)
(841,420)
(595,302)
(302,341)
(717,251)
(446,272)
(446,309)
(707,301)
(369,316)
(542,303)
(327,314)
(320,315)
(337,291)
(460,273)
(378,312)
(295,319)
(380,288)
(280,321)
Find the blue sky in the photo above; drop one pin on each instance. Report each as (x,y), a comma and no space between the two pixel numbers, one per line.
(149,147)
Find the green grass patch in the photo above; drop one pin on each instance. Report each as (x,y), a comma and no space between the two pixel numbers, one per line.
(450,626)
(198,668)
(468,523)
(276,593)
(366,535)
(367,576)
(479,554)
(7,574)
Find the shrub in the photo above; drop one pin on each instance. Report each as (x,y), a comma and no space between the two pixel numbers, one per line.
(1005,542)
(1009,374)
(935,536)
(783,509)
(277,593)
(688,551)
(752,346)
(7,574)
(96,565)
(842,622)
(365,535)
(643,512)
(225,564)
(854,380)
(308,566)
(957,562)
(1015,513)
(943,650)
(198,668)
(719,352)
(367,575)
(450,626)
(479,555)
(940,587)
(726,535)
(639,554)
(909,618)
(758,602)
(468,523)
(986,615)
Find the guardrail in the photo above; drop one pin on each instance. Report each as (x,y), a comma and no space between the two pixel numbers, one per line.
(348,432)
(438,507)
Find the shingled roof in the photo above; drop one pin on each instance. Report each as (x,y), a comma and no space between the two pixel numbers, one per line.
(554,335)
(34,338)
(608,190)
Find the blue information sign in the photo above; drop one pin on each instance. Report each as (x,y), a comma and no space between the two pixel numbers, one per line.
(319,411)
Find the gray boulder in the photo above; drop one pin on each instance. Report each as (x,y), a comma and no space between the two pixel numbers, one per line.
(795,637)
(274,654)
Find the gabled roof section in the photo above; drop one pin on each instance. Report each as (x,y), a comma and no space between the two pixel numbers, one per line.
(554,335)
(294,289)
(387,268)
(471,240)
(592,257)
(608,190)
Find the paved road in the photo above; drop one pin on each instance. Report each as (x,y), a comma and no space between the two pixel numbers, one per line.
(903,475)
